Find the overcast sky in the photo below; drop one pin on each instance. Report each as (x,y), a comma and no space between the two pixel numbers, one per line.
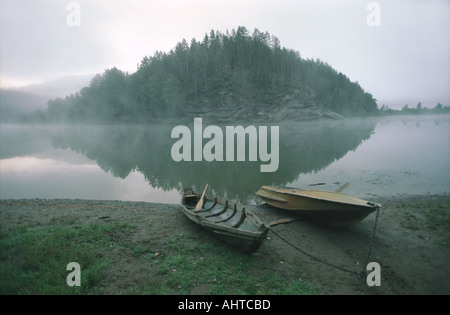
(403,60)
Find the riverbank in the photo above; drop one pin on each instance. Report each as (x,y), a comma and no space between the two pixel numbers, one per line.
(153,248)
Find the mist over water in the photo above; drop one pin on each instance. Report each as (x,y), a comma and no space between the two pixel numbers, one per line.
(377,156)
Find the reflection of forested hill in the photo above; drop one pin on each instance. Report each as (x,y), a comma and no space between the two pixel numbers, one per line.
(304,147)
(21,140)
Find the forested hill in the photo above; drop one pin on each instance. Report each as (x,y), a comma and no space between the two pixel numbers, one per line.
(237,74)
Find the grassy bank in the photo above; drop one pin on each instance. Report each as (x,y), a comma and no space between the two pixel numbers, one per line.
(33,260)
(432,217)
(146,248)
(212,268)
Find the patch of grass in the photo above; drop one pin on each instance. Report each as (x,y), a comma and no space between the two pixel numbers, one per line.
(34,260)
(142,251)
(438,220)
(410,216)
(439,217)
(432,216)
(216,268)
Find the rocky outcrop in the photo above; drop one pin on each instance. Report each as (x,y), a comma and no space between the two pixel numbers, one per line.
(299,105)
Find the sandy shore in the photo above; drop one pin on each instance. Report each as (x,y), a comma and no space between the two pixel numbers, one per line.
(413,253)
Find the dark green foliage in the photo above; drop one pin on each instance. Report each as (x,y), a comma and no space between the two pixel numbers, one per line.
(223,70)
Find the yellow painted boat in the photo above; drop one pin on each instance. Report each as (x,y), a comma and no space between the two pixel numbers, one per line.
(328,207)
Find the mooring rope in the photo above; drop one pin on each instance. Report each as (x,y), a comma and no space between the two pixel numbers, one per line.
(362,274)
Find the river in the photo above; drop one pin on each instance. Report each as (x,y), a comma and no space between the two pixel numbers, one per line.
(381,156)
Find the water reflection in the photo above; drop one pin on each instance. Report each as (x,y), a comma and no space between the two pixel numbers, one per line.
(384,156)
(304,147)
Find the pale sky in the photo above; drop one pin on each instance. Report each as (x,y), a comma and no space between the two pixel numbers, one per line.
(404,59)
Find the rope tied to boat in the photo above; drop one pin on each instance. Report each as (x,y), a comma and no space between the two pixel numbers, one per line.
(361,274)
(369,251)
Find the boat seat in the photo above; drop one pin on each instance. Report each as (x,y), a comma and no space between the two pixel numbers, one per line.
(220,212)
(232,215)
(213,205)
(241,219)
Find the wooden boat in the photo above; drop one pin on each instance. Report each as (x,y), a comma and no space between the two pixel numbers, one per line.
(228,220)
(329,207)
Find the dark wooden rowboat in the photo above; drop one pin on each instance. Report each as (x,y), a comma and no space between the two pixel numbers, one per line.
(228,220)
(328,207)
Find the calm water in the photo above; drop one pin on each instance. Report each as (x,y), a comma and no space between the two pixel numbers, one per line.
(382,156)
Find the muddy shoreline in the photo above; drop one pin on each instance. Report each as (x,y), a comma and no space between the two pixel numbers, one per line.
(413,254)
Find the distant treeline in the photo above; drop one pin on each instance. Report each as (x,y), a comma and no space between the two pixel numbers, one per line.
(236,68)
(418,110)
(15,105)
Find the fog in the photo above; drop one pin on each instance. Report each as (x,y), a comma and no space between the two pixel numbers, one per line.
(396,52)
(402,60)
(377,156)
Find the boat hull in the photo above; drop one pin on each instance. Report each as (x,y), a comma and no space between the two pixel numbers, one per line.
(228,220)
(328,207)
